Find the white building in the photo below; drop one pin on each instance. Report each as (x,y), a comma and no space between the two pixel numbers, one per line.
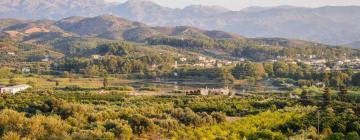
(339,63)
(347,60)
(199,65)
(183,59)
(220,91)
(319,61)
(97,57)
(312,56)
(11,53)
(206,91)
(14,89)
(201,58)
(25,70)
(46,58)
(212,61)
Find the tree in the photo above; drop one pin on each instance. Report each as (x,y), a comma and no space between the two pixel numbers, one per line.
(269,68)
(163,70)
(257,70)
(121,129)
(342,94)
(219,116)
(32,84)
(92,70)
(105,81)
(306,70)
(57,83)
(303,82)
(12,81)
(354,126)
(281,69)
(169,124)
(356,79)
(304,98)
(326,78)
(352,136)
(11,121)
(326,98)
(5,72)
(293,71)
(141,124)
(339,78)
(36,68)
(118,48)
(225,76)
(336,136)
(67,74)
(248,69)
(11,136)
(239,71)
(349,71)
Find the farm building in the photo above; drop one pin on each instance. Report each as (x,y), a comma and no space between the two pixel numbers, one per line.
(207,91)
(14,89)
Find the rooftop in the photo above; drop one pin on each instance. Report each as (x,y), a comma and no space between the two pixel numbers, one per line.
(18,86)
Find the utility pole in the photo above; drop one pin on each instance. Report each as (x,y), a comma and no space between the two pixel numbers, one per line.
(318,124)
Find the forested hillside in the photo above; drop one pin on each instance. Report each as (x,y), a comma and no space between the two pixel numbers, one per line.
(75,35)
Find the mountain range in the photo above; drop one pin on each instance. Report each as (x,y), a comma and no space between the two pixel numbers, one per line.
(81,36)
(355,44)
(332,25)
(104,27)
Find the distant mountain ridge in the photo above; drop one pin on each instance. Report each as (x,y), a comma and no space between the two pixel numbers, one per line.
(116,28)
(355,44)
(106,27)
(331,25)
(81,35)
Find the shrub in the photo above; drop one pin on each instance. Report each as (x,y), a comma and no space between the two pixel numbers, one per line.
(121,129)
(72,87)
(149,89)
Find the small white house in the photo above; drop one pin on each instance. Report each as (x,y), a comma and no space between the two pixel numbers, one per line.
(14,89)
(219,91)
(183,59)
(11,53)
(25,70)
(97,57)
(201,58)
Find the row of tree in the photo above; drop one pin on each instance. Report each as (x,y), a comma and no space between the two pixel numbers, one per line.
(302,73)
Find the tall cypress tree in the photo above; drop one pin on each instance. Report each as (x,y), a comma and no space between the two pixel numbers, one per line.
(105,81)
(304,98)
(343,92)
(326,98)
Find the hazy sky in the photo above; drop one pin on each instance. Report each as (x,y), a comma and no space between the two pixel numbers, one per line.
(239,4)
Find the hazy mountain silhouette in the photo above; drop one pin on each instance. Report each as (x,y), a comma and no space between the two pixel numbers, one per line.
(333,25)
(106,27)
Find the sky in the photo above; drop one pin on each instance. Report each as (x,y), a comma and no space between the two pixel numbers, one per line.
(240,4)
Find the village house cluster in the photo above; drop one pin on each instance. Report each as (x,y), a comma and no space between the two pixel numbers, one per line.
(206,62)
(319,64)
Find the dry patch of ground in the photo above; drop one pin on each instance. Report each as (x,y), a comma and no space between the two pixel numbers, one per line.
(35,30)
